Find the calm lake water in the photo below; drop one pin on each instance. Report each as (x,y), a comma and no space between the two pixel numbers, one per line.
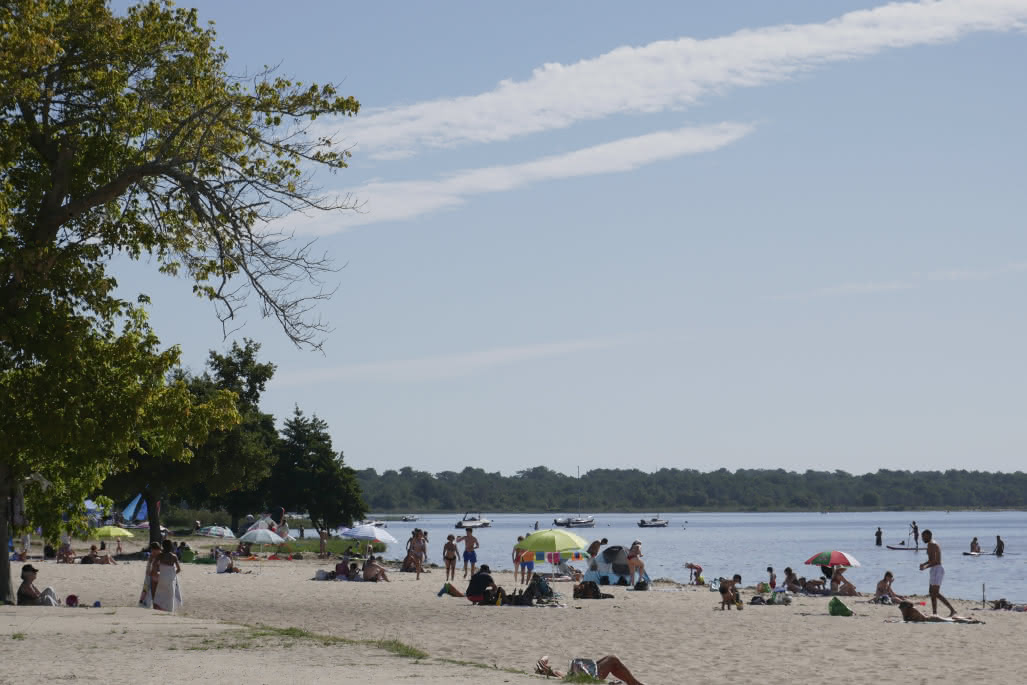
(728,543)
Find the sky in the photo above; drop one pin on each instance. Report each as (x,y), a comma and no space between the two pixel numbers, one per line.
(685,235)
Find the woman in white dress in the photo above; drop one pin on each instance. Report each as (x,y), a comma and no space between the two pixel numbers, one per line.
(168,596)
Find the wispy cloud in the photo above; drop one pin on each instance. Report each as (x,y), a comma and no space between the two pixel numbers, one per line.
(866,288)
(670,74)
(916,280)
(399,200)
(449,366)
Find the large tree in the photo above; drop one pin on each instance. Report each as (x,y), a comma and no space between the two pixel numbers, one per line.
(125,135)
(309,476)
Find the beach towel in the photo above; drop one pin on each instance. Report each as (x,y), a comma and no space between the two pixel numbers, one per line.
(168,596)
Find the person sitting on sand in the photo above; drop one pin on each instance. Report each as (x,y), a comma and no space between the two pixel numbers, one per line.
(95,557)
(792,583)
(225,564)
(29,594)
(374,571)
(480,588)
(65,555)
(840,585)
(912,615)
(884,592)
(728,593)
(607,665)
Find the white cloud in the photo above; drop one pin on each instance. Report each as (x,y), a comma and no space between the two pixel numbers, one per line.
(866,288)
(977,274)
(443,367)
(670,74)
(399,200)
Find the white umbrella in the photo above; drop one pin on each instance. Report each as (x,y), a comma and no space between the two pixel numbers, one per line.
(262,536)
(216,532)
(368,533)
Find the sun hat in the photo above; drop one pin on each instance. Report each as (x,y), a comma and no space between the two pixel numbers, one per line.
(29,567)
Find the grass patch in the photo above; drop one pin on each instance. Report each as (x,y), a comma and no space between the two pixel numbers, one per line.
(580,678)
(400,649)
(335,546)
(17,636)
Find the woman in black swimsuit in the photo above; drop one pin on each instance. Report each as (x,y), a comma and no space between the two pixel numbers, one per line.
(449,555)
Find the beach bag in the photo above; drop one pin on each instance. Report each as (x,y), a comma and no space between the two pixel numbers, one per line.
(757,600)
(641,586)
(837,608)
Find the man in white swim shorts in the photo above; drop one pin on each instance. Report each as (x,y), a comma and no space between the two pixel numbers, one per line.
(937,572)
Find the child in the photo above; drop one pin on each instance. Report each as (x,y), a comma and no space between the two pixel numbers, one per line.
(728,594)
(773,577)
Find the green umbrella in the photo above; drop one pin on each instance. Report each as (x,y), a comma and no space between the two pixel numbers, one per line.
(110,532)
(552,540)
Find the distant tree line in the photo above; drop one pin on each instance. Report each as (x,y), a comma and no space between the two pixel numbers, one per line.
(666,490)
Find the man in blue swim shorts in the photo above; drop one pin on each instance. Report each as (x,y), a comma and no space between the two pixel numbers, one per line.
(470,544)
(524,560)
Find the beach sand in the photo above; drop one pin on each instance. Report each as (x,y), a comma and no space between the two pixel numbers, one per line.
(671,634)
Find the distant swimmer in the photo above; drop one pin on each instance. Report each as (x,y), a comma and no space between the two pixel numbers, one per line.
(878,535)
(975,547)
(1000,547)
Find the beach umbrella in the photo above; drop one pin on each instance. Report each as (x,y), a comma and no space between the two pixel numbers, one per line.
(832,558)
(216,532)
(262,536)
(111,532)
(551,543)
(368,533)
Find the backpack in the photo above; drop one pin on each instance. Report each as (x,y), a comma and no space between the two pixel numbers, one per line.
(641,586)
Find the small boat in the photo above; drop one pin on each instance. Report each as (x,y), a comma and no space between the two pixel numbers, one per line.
(654,522)
(473,521)
(410,517)
(373,522)
(575,522)
(904,548)
(979,554)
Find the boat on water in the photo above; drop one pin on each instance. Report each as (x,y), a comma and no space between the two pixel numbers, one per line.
(373,522)
(904,548)
(654,522)
(410,517)
(575,522)
(473,521)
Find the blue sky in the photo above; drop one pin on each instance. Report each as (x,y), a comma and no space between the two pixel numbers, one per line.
(745,234)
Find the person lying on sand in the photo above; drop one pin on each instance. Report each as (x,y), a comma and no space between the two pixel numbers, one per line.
(911,614)
(608,665)
(94,557)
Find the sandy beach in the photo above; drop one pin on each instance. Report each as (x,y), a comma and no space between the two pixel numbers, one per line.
(231,626)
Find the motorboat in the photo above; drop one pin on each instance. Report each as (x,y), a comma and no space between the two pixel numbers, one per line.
(654,522)
(473,521)
(575,522)
(373,522)
(410,517)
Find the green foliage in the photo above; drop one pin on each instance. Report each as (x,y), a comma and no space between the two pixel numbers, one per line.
(309,476)
(541,489)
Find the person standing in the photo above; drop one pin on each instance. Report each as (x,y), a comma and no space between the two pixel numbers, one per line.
(470,545)
(937,573)
(449,555)
(916,534)
(877,536)
(1000,547)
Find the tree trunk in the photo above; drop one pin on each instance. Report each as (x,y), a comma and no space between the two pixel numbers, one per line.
(6,490)
(153,515)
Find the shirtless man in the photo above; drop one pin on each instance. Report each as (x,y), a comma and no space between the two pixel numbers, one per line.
(1000,547)
(470,544)
(975,547)
(937,573)
(728,594)
(884,589)
(593,549)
